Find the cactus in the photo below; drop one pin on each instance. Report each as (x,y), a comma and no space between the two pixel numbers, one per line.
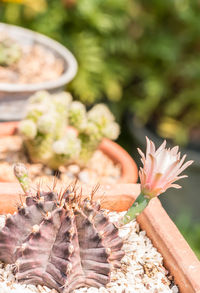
(45,126)
(10,52)
(47,138)
(60,240)
(100,124)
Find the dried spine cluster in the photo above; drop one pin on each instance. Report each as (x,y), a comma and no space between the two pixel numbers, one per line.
(61,241)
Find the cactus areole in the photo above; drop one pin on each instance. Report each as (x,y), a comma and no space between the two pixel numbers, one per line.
(61,241)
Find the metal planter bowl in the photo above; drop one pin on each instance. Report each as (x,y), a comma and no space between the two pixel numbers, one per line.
(13,96)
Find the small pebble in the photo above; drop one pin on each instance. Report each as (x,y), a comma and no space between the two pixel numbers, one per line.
(74,169)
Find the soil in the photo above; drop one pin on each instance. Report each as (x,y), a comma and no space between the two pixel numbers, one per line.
(35,65)
(100,168)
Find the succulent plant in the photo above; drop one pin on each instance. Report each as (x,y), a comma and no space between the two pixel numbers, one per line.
(10,52)
(60,240)
(45,126)
(100,124)
(47,135)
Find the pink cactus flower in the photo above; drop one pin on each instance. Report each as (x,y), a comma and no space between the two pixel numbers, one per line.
(161,168)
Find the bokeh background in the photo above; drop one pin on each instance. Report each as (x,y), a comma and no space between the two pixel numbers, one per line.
(142,58)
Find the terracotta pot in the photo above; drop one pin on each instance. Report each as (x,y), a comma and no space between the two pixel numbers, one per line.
(111,149)
(179,259)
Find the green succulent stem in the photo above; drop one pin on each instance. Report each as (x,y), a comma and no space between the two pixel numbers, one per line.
(21,174)
(137,207)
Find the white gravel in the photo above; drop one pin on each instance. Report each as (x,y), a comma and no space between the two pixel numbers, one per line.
(141,271)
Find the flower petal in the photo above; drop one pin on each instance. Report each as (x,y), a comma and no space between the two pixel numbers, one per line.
(176,186)
(184,166)
(174,150)
(162,147)
(141,153)
(148,146)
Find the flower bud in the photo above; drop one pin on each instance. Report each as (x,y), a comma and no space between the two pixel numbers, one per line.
(101,115)
(69,146)
(112,131)
(28,128)
(46,123)
(63,98)
(77,115)
(40,97)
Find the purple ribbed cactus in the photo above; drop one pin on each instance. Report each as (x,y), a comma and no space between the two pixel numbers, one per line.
(61,241)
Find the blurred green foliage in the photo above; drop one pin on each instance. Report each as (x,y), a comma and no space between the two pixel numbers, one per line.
(165,92)
(96,31)
(190,231)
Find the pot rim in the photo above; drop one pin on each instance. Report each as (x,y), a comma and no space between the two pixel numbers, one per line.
(50,44)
